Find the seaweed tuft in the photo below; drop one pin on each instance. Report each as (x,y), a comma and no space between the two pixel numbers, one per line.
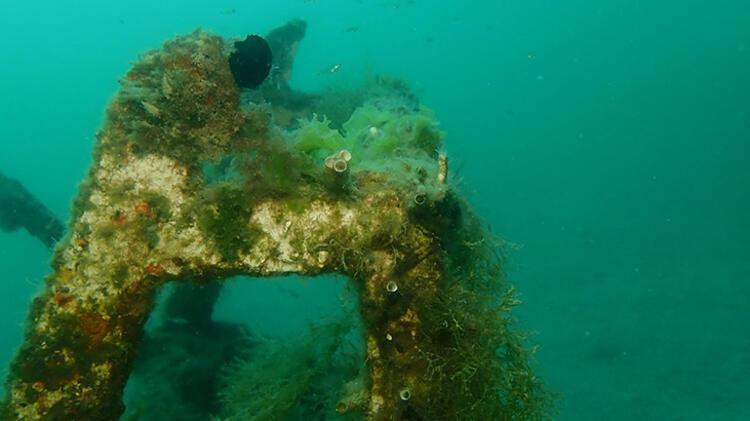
(224,215)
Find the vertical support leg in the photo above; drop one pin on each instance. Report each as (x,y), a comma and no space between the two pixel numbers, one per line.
(80,344)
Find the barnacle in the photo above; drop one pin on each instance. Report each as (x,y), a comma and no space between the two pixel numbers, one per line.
(339,162)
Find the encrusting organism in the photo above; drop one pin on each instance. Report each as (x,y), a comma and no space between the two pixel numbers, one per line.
(339,162)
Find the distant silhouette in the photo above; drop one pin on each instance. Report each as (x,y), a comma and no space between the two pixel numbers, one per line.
(20,209)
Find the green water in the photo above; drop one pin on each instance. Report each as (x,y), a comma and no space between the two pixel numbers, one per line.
(607,142)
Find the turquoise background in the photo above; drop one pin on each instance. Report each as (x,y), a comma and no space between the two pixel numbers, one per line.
(607,141)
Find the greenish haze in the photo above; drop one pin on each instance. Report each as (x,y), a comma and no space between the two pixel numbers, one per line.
(606,142)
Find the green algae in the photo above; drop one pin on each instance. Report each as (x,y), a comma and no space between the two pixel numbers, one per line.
(221,207)
(297,379)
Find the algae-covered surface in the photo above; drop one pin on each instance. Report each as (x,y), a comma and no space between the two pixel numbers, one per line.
(193,182)
(409,210)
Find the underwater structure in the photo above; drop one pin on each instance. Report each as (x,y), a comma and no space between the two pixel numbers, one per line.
(20,209)
(191,182)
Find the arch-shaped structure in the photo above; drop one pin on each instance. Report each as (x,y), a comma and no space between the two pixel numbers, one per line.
(187,183)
